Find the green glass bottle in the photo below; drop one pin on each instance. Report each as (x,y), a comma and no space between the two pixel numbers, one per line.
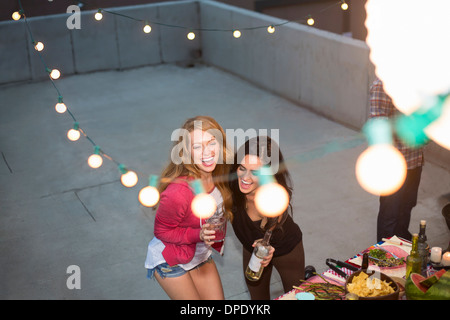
(413,261)
(423,247)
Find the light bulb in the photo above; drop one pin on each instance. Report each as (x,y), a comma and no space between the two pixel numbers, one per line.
(98,15)
(95,161)
(270,29)
(129,179)
(147,28)
(344,6)
(55,74)
(60,107)
(203,206)
(310,21)
(73,135)
(271,199)
(381,169)
(149,196)
(39,46)
(423,33)
(16,15)
(191,35)
(237,34)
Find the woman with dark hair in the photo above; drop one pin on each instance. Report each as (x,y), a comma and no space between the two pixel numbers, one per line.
(250,225)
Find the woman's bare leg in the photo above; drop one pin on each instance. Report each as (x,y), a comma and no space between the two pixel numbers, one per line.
(207,281)
(179,288)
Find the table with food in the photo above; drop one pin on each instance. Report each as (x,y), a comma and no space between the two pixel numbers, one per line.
(376,273)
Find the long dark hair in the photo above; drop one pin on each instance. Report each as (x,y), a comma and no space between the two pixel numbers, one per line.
(261,146)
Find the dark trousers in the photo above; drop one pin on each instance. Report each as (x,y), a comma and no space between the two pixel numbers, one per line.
(395,210)
(291,268)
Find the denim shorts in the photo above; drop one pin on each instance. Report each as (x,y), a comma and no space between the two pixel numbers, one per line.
(165,270)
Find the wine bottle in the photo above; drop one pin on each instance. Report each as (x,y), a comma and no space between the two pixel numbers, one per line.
(423,247)
(413,260)
(254,269)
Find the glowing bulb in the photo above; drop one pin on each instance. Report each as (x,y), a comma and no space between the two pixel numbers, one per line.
(381,169)
(237,34)
(203,206)
(16,15)
(344,6)
(147,28)
(271,199)
(191,36)
(60,107)
(310,21)
(98,15)
(95,161)
(73,135)
(39,46)
(129,179)
(270,29)
(149,196)
(422,45)
(55,74)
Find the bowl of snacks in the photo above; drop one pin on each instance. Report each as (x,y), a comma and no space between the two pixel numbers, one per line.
(372,285)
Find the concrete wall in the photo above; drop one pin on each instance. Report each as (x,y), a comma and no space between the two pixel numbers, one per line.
(327,73)
(112,43)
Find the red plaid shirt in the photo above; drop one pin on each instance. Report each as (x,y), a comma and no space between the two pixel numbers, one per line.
(381,106)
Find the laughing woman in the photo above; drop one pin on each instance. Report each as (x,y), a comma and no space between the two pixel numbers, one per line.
(179,255)
(250,225)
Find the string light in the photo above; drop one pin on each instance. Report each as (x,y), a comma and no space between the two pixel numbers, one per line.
(381,168)
(39,46)
(203,205)
(98,15)
(95,160)
(147,28)
(344,5)
(74,134)
(149,195)
(191,35)
(128,178)
(271,199)
(16,15)
(270,29)
(54,74)
(237,34)
(60,107)
(310,20)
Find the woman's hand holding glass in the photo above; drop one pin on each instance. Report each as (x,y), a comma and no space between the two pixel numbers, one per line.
(207,235)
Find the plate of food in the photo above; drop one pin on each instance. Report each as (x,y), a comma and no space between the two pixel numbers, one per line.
(387,256)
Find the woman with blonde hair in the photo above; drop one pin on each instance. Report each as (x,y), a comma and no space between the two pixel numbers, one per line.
(179,255)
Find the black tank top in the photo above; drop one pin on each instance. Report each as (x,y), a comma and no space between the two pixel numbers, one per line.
(284,238)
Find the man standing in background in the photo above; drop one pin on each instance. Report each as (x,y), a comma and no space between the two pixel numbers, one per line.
(395,210)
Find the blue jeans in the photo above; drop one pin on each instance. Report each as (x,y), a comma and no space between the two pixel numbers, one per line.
(165,270)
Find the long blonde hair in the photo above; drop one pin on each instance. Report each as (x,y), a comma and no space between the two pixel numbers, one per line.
(181,151)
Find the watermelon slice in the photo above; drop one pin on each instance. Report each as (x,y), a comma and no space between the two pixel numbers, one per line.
(428,282)
(438,291)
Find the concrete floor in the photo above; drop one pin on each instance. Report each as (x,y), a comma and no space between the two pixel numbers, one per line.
(55,211)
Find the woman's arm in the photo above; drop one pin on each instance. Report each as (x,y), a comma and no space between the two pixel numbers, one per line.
(172,211)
